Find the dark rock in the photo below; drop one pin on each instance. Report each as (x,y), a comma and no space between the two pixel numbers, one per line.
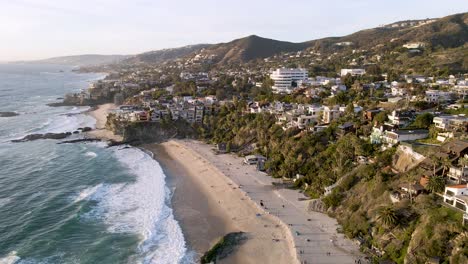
(8,114)
(32,137)
(76,132)
(80,140)
(86,129)
(56,135)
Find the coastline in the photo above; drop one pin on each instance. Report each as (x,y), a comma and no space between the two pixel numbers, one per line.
(100,132)
(208,204)
(207,213)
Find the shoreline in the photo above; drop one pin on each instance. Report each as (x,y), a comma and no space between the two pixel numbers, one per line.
(307,237)
(100,114)
(216,194)
(208,206)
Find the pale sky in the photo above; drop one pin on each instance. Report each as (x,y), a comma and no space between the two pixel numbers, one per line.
(35,29)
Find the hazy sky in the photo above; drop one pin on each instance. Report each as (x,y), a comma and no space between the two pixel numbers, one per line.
(32,29)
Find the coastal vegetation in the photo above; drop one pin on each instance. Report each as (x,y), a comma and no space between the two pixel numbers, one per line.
(409,231)
(138,133)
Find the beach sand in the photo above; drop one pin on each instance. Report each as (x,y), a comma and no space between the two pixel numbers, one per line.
(100,114)
(208,205)
(304,237)
(217,194)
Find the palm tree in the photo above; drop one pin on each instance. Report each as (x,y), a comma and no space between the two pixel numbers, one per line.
(435,162)
(446,163)
(388,216)
(463,161)
(435,184)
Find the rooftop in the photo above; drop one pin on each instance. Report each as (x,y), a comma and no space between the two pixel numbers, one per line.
(458,186)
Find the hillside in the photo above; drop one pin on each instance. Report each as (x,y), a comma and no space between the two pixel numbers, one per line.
(159,56)
(250,48)
(444,46)
(446,32)
(83,60)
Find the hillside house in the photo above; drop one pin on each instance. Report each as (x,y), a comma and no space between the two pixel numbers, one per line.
(401,118)
(451,123)
(394,137)
(457,196)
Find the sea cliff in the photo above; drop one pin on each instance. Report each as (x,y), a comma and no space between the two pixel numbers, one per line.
(150,132)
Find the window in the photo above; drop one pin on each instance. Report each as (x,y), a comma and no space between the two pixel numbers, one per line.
(449,193)
(460,205)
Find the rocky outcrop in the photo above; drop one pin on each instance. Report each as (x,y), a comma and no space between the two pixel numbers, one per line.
(80,140)
(148,132)
(8,114)
(85,129)
(316,205)
(32,137)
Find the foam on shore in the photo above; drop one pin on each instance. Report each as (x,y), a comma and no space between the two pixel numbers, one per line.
(141,207)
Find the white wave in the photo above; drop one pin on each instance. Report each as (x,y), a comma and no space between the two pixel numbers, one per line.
(99,144)
(90,154)
(11,258)
(141,207)
(68,123)
(87,193)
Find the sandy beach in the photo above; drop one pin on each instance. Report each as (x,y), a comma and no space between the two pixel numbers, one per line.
(218,194)
(100,114)
(209,205)
(304,237)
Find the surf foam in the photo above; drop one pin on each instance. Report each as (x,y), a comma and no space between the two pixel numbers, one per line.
(10,258)
(141,207)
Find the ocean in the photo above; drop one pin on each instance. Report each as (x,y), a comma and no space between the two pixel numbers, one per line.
(81,202)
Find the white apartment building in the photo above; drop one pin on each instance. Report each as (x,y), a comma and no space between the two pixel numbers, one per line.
(451,122)
(283,79)
(353,72)
(437,95)
(330,114)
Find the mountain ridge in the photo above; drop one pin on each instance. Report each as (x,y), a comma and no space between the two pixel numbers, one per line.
(442,33)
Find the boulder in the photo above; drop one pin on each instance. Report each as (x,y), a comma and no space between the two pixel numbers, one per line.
(86,129)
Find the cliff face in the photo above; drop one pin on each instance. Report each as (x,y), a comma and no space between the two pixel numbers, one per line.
(405,159)
(145,132)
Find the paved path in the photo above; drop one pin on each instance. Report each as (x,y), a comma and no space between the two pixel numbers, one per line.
(318,240)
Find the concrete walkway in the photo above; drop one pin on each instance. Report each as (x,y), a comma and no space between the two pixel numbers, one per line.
(315,236)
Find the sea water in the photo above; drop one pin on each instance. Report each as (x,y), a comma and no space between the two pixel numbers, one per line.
(75,203)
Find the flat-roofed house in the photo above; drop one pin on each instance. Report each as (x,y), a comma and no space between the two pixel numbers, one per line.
(394,137)
(457,196)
